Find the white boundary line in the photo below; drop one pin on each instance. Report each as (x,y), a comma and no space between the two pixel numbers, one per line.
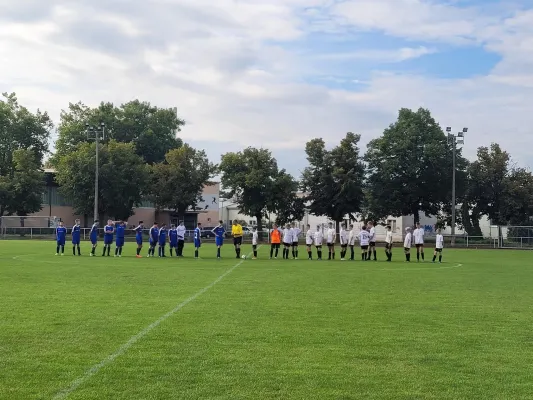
(63,394)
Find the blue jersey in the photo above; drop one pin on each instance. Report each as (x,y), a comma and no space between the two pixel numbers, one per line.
(139,230)
(173,236)
(94,233)
(162,235)
(154,234)
(121,231)
(219,231)
(61,233)
(108,231)
(76,233)
(197,234)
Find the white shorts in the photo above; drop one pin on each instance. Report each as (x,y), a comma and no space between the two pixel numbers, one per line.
(309,242)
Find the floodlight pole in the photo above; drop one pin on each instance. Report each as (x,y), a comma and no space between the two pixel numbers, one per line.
(96,131)
(453,139)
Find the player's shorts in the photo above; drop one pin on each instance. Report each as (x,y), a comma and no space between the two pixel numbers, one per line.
(173,244)
(407,248)
(372,244)
(108,240)
(219,241)
(153,243)
(419,245)
(139,239)
(94,239)
(318,246)
(254,247)
(163,244)
(388,246)
(275,245)
(61,242)
(119,242)
(197,243)
(309,242)
(365,247)
(287,244)
(76,241)
(237,240)
(331,244)
(294,244)
(438,250)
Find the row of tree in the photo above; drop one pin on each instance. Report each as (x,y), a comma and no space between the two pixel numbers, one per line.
(405,171)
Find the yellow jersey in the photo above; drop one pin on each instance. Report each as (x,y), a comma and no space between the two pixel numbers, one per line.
(236,230)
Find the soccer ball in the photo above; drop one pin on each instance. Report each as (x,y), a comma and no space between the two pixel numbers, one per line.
(243,256)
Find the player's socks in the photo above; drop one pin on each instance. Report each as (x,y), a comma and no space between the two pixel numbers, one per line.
(218,252)
(375,255)
(62,249)
(319,254)
(363,256)
(116,251)
(276,255)
(418,256)
(296,251)
(440,258)
(57,249)
(310,255)
(352,254)
(120,251)
(108,250)
(255,253)
(422,256)
(138,251)
(271,252)
(195,253)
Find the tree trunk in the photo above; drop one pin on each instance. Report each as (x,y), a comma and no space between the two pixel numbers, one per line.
(416,216)
(476,229)
(259,218)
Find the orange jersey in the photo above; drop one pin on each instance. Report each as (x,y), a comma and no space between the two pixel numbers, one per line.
(275,237)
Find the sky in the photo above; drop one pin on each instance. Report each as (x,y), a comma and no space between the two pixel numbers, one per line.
(277,73)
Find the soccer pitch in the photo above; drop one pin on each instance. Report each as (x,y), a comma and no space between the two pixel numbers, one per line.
(127,328)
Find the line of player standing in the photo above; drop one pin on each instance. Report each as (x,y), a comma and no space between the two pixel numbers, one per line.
(175,237)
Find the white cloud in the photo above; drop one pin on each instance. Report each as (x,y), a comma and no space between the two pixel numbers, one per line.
(224,66)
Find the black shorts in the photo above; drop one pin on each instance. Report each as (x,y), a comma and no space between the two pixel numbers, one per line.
(274,245)
(364,247)
(344,246)
(419,245)
(331,244)
(438,250)
(407,248)
(254,247)
(372,244)
(388,246)
(237,240)
(318,246)
(294,244)
(287,244)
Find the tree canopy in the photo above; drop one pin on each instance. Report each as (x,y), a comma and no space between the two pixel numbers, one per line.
(334,179)
(150,129)
(178,182)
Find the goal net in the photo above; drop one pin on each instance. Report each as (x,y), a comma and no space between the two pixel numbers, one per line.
(17,227)
(516,237)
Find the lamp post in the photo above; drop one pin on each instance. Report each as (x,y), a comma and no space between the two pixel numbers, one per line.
(94,133)
(459,138)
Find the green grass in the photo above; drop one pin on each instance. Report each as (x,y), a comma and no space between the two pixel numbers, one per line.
(269,329)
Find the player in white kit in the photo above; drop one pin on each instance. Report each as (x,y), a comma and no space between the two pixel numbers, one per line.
(287,241)
(351,242)
(343,237)
(319,239)
(407,244)
(388,244)
(439,245)
(255,238)
(295,235)
(331,238)
(372,242)
(419,241)
(364,239)
(309,239)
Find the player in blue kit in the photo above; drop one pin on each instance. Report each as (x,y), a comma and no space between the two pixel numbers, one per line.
(119,239)
(163,233)
(61,234)
(154,239)
(219,233)
(76,237)
(109,230)
(94,237)
(197,239)
(139,238)
(173,239)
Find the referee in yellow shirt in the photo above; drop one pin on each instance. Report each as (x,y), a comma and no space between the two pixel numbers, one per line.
(236,231)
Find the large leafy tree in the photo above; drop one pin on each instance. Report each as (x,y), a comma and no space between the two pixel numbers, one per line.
(334,178)
(152,130)
(23,144)
(252,178)
(177,183)
(285,202)
(123,177)
(410,168)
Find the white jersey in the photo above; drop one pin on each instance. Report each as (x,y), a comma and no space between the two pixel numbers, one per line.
(372,235)
(287,236)
(388,239)
(419,236)
(352,237)
(181,232)
(309,236)
(439,243)
(364,238)
(319,238)
(408,240)
(331,235)
(295,234)
(255,237)
(344,236)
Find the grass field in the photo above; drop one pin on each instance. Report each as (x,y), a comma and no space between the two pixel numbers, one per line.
(80,327)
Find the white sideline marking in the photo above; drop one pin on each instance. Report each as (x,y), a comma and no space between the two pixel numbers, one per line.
(420,269)
(63,394)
